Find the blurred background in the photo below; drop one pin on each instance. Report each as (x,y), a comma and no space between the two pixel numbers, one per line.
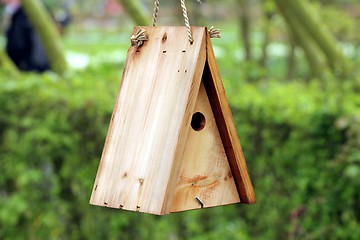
(291,73)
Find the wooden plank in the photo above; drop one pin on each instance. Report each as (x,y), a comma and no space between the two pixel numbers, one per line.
(226,125)
(146,138)
(191,101)
(205,178)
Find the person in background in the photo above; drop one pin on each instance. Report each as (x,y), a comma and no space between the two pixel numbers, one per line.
(63,16)
(23,44)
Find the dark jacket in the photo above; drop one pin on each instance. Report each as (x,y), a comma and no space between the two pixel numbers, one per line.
(24,46)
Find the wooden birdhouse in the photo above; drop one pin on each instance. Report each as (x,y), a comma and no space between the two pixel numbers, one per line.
(172,144)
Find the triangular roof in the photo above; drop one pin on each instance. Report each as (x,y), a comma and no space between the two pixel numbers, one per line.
(148,137)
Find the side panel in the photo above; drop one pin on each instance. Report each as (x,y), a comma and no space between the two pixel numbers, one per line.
(146,136)
(205,178)
(227,129)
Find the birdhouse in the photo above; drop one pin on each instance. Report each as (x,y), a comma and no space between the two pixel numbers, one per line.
(172,144)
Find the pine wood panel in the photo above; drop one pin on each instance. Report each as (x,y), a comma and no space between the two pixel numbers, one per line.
(227,129)
(205,173)
(149,127)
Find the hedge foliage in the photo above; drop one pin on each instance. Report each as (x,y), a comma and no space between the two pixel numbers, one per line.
(301,141)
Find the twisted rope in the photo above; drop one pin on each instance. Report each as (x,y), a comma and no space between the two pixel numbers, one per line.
(139,38)
(187,23)
(214,33)
(156,12)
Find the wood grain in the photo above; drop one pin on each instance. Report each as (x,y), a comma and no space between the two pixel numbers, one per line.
(226,125)
(205,171)
(153,161)
(150,123)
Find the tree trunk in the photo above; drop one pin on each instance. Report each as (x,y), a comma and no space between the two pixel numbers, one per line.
(291,61)
(268,16)
(309,22)
(134,10)
(245,21)
(48,34)
(7,65)
(299,37)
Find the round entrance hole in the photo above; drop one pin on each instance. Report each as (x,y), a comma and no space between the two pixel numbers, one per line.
(198,121)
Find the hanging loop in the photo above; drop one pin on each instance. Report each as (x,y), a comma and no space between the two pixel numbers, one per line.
(187,22)
(185,14)
(156,12)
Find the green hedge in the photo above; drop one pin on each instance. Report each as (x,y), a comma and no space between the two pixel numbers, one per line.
(301,141)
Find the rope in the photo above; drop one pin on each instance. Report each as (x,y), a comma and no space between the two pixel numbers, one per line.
(156,12)
(187,23)
(139,38)
(186,18)
(214,33)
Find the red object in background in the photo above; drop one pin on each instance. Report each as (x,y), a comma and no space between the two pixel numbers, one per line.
(113,8)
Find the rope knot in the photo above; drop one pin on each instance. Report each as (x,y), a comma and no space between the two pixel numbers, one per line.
(214,33)
(139,38)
